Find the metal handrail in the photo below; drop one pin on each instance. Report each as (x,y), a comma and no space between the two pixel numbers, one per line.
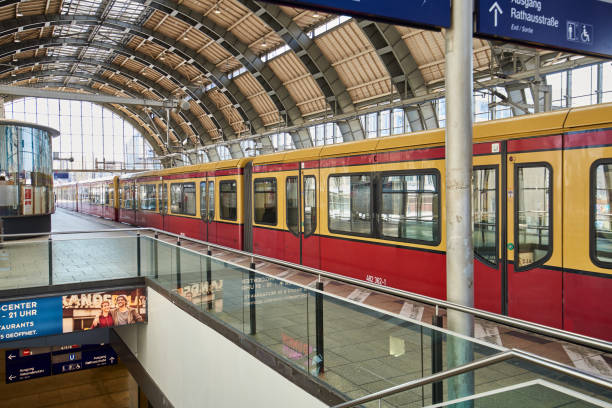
(45,234)
(509,321)
(474,365)
(537,328)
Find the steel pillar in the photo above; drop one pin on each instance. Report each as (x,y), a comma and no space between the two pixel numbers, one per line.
(459,246)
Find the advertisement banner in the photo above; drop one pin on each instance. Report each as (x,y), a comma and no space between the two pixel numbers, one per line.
(28,318)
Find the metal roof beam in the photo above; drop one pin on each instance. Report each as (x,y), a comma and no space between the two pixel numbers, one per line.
(42,93)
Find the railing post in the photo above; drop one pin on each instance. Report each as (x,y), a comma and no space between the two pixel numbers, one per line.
(209,277)
(252,315)
(319,327)
(138,253)
(50,260)
(155,256)
(437,388)
(178,262)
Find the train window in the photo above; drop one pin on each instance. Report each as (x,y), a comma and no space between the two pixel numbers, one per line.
(183,198)
(293,209)
(211,201)
(533,215)
(484,207)
(410,207)
(265,201)
(203,201)
(601,216)
(148,197)
(310,205)
(350,204)
(227,200)
(163,199)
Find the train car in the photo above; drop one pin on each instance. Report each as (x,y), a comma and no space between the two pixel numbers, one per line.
(66,196)
(98,197)
(375,210)
(541,201)
(201,201)
(26,177)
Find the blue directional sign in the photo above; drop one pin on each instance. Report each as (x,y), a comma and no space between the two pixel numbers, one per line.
(582,27)
(22,319)
(26,368)
(433,13)
(25,364)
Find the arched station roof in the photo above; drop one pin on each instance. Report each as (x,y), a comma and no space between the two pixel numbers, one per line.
(245,67)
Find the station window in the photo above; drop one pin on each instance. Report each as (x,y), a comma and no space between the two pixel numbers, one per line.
(601,216)
(264,201)
(183,198)
(228,200)
(410,207)
(533,214)
(293,208)
(148,197)
(350,204)
(310,205)
(484,205)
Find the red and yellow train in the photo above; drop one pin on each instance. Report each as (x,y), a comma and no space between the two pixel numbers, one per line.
(374,210)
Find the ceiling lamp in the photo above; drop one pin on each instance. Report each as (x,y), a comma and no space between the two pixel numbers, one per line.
(17,12)
(17,40)
(217,9)
(264,43)
(13,74)
(162,56)
(316,15)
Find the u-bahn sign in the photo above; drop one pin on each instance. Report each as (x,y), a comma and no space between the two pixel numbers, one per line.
(431,13)
(583,27)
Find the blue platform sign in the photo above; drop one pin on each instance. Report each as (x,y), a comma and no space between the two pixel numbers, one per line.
(22,319)
(583,27)
(432,13)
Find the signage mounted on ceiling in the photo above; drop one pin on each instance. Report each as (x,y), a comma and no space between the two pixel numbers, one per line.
(582,27)
(422,13)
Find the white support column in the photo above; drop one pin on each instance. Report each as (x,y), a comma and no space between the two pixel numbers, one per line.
(459,247)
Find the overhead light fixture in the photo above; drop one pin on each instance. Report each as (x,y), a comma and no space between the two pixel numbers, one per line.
(316,15)
(162,56)
(217,9)
(17,12)
(13,74)
(185,38)
(17,40)
(264,43)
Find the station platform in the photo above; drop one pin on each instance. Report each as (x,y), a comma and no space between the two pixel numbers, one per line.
(373,337)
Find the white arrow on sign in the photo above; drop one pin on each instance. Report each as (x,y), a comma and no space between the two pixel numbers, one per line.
(112,359)
(495,9)
(12,377)
(11,356)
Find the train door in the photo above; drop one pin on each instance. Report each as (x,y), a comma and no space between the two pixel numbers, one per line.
(163,203)
(301,210)
(534,247)
(207,209)
(489,265)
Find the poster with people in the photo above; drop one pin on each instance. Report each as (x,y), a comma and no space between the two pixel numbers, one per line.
(45,316)
(87,311)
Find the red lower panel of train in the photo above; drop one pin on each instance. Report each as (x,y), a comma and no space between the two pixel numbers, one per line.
(276,244)
(587,305)
(487,287)
(536,295)
(417,271)
(103,211)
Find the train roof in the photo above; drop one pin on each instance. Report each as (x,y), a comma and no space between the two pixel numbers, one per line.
(194,168)
(546,123)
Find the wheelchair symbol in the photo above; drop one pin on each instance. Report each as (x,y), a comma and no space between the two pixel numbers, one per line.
(584,35)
